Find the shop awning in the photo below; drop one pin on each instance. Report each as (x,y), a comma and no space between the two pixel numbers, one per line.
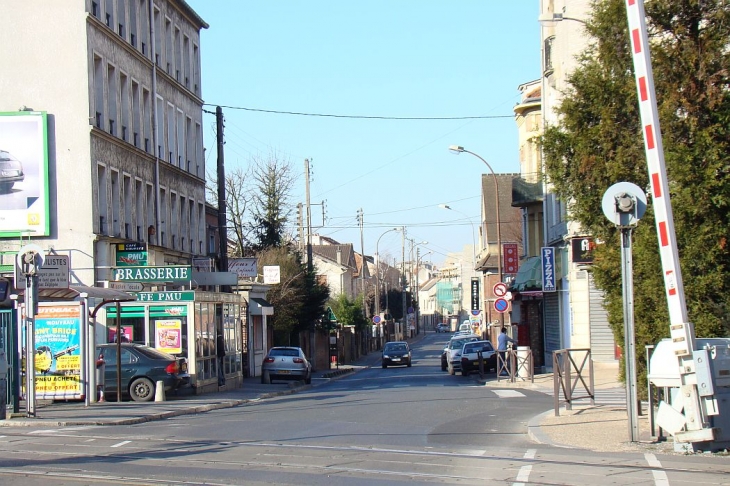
(75,291)
(529,276)
(260,307)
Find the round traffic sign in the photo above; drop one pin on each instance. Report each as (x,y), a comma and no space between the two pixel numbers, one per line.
(501,305)
(500,289)
(376,319)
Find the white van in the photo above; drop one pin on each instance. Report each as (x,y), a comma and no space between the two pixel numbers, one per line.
(465,326)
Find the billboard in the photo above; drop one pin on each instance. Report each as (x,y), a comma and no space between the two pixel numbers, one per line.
(24,202)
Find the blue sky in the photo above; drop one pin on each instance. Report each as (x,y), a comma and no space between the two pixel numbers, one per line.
(386,59)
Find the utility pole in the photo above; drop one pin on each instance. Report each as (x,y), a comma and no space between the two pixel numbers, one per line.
(222,219)
(310,265)
(403,282)
(361,220)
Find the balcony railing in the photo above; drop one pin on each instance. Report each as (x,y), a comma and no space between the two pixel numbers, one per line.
(527,190)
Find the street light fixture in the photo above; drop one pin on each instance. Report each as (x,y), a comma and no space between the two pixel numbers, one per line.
(473,233)
(459,149)
(549,20)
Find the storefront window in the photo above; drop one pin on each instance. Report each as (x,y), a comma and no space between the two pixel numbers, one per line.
(132,324)
(169,329)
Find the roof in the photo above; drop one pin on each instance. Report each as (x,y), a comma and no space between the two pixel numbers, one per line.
(329,252)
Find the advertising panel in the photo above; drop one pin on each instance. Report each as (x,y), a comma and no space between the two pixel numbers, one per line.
(168,335)
(131,254)
(511,258)
(548,269)
(57,352)
(24,202)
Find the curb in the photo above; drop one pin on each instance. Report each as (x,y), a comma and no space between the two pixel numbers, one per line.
(535,433)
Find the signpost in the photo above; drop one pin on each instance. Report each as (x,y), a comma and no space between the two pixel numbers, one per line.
(125,286)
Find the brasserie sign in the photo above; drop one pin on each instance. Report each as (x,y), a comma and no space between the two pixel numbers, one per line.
(152,274)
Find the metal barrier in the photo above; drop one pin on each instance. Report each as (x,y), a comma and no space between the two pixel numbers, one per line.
(516,363)
(565,365)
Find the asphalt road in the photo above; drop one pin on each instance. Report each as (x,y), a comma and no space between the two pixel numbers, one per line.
(390,426)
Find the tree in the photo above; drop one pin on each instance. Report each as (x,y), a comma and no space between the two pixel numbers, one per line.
(348,312)
(598,142)
(273,181)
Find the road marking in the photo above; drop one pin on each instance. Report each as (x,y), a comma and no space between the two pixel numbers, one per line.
(523,476)
(120,444)
(508,393)
(660,477)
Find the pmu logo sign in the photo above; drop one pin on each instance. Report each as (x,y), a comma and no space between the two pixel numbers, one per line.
(548,269)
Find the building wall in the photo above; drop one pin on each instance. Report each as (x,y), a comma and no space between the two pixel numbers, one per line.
(96,83)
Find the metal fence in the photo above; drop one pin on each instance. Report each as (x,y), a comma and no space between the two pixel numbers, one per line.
(569,370)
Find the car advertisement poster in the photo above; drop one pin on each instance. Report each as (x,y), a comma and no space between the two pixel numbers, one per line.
(168,335)
(57,352)
(24,201)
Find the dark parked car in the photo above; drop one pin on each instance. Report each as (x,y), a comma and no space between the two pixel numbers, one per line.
(142,368)
(286,363)
(11,171)
(396,353)
(470,357)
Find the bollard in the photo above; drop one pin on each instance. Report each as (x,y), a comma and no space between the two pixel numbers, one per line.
(159,391)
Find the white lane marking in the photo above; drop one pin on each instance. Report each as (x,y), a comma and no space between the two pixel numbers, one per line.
(508,393)
(120,444)
(523,475)
(660,477)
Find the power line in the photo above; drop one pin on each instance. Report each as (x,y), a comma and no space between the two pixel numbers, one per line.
(363,117)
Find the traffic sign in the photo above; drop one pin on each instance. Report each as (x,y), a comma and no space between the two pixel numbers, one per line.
(501,305)
(376,319)
(53,274)
(329,315)
(500,289)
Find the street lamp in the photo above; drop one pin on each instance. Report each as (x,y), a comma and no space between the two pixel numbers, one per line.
(549,20)
(458,149)
(473,237)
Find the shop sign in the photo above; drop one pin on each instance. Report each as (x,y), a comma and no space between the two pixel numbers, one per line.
(153,274)
(131,254)
(548,269)
(583,249)
(510,258)
(475,294)
(169,296)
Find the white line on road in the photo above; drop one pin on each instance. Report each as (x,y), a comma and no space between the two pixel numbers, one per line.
(508,393)
(120,444)
(523,476)
(660,477)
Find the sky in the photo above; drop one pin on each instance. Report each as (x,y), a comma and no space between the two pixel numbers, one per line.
(452,67)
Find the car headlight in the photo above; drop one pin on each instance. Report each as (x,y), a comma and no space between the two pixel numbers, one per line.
(386,356)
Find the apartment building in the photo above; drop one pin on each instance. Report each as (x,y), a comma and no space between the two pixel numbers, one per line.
(117,85)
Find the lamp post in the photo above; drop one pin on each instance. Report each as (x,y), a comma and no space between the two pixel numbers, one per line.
(458,149)
(473,237)
(549,20)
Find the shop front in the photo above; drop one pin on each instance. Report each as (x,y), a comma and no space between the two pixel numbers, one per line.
(207,328)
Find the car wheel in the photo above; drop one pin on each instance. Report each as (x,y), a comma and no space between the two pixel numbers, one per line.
(142,390)
(443,367)
(308,379)
(385,365)
(409,364)
(265,378)
(464,372)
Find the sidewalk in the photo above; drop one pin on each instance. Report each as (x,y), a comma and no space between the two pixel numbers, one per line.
(598,427)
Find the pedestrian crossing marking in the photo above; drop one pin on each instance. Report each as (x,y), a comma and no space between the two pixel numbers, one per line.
(508,393)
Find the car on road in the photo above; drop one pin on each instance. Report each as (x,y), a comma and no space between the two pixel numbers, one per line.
(470,357)
(452,347)
(396,353)
(442,327)
(286,363)
(11,171)
(142,368)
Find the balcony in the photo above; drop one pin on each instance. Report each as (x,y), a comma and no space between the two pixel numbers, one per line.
(527,190)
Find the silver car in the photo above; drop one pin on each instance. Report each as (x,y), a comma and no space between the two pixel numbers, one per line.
(11,171)
(286,363)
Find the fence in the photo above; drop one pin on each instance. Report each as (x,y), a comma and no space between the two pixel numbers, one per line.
(568,373)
